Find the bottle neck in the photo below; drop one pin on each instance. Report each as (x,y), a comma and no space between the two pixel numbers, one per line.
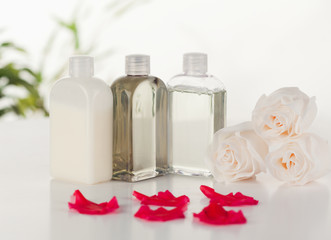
(137,75)
(195,73)
(81,75)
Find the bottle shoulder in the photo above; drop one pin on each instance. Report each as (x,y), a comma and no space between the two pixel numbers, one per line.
(191,83)
(71,89)
(130,83)
(90,84)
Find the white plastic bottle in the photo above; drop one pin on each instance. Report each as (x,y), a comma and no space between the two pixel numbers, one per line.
(81,116)
(197,109)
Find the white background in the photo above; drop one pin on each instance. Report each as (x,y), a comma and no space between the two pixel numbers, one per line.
(255,46)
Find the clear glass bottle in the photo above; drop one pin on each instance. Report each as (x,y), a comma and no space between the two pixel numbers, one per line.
(81,107)
(197,109)
(140,123)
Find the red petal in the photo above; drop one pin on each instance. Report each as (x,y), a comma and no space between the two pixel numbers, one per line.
(84,206)
(227,200)
(160,214)
(216,214)
(162,199)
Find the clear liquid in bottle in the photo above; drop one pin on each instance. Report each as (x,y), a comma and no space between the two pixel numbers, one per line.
(197,111)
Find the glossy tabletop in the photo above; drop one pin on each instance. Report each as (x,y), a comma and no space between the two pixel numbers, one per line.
(33,206)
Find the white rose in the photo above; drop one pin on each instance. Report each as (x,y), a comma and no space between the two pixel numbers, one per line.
(300,160)
(236,153)
(285,113)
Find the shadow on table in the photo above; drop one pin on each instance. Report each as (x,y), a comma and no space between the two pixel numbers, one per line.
(291,212)
(68,224)
(250,187)
(254,214)
(298,212)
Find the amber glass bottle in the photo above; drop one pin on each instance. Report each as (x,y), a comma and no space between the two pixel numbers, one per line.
(140,142)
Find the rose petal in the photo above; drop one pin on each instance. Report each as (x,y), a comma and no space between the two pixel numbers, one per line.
(215,214)
(160,214)
(84,206)
(284,114)
(236,153)
(237,199)
(162,199)
(300,160)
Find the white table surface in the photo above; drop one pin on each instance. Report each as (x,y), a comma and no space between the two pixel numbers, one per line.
(33,206)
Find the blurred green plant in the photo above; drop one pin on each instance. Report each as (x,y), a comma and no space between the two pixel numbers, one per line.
(72,28)
(24,77)
(20,78)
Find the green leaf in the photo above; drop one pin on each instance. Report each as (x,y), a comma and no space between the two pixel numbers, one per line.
(16,109)
(13,46)
(5,110)
(13,75)
(37,75)
(22,77)
(72,27)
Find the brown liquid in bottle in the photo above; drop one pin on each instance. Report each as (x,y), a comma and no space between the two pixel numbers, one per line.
(140,142)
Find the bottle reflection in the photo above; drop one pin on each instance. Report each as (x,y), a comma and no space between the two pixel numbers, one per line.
(68,224)
(254,214)
(152,230)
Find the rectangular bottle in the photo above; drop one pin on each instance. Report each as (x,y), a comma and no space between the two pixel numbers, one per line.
(197,111)
(80,136)
(140,123)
